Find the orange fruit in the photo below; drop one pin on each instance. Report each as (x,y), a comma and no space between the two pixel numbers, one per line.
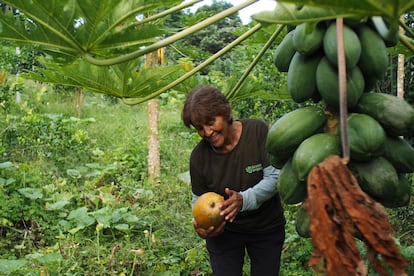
(206,211)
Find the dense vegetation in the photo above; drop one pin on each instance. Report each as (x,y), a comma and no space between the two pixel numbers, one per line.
(74,193)
(75,198)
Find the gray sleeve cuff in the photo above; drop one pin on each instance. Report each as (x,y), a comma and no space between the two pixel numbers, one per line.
(254,197)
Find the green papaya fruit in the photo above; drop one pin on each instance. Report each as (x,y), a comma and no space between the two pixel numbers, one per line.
(352,46)
(374,56)
(400,154)
(308,37)
(284,53)
(366,137)
(314,150)
(394,114)
(291,189)
(401,196)
(301,82)
(327,83)
(377,177)
(287,132)
(302,222)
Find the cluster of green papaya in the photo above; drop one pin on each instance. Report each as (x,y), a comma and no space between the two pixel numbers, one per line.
(377,123)
(308,53)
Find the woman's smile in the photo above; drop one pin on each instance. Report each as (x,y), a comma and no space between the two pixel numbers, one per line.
(214,138)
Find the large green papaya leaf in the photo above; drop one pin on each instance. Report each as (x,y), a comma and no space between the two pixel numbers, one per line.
(125,80)
(75,27)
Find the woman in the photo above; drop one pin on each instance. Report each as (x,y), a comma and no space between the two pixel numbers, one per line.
(231,160)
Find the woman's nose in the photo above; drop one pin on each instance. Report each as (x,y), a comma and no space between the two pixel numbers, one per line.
(206,131)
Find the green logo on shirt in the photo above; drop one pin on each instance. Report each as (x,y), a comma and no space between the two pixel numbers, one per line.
(254,168)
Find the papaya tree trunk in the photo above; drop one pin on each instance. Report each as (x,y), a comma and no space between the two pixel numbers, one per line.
(400,76)
(79,100)
(153,136)
(153,141)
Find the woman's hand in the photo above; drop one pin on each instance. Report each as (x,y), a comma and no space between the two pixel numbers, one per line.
(210,232)
(231,206)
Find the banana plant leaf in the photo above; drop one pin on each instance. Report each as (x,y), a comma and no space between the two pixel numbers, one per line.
(126,80)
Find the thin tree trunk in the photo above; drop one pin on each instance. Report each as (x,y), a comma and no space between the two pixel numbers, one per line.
(79,100)
(400,76)
(153,141)
(153,136)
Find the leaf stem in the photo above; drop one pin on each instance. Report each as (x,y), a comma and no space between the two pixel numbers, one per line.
(195,69)
(236,88)
(406,42)
(406,28)
(164,13)
(168,40)
(342,89)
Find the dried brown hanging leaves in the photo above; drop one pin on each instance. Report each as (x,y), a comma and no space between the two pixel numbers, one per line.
(339,210)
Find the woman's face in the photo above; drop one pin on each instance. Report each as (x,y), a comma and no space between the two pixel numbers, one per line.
(216,132)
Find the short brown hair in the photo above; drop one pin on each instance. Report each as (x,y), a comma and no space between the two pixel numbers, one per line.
(203,104)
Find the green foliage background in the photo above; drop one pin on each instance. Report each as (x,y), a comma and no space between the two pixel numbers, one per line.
(91,209)
(74,194)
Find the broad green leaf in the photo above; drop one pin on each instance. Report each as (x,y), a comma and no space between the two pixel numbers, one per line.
(125,80)
(122,227)
(6,165)
(31,193)
(50,258)
(93,173)
(103,216)
(130,217)
(6,181)
(73,173)
(45,258)
(81,217)
(93,165)
(57,205)
(73,231)
(408,252)
(116,215)
(9,266)
(75,27)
